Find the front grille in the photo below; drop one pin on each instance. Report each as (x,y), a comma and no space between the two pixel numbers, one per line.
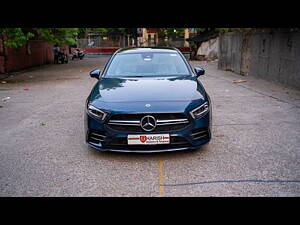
(139,116)
(200,133)
(140,130)
(131,122)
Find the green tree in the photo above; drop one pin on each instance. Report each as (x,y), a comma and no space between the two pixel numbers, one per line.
(60,36)
(171,32)
(17,37)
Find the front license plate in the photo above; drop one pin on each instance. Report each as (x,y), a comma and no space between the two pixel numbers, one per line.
(148,139)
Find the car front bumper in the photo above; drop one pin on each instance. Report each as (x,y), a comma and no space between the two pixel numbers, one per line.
(103,138)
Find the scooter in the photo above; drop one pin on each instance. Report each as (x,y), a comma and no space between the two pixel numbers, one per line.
(62,58)
(78,54)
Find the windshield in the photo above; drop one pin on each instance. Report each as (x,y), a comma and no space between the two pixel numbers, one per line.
(147,64)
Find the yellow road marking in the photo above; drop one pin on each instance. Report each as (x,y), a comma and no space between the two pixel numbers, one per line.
(161,178)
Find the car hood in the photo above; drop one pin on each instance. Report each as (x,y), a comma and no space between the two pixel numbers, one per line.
(163,92)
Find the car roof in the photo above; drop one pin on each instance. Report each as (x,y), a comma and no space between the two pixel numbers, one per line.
(147,49)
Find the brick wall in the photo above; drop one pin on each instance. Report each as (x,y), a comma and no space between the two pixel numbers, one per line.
(35,53)
(1,47)
(2,68)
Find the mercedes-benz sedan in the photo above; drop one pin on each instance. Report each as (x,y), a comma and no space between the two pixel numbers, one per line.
(147,100)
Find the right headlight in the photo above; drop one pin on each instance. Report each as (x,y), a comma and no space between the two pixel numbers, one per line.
(200,111)
(92,110)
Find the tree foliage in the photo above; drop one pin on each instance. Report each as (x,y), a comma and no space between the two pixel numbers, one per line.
(200,31)
(171,32)
(60,36)
(17,37)
(107,31)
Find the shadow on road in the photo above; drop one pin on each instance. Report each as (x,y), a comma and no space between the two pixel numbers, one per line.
(149,156)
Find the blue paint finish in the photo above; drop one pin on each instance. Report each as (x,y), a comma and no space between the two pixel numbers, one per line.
(165,94)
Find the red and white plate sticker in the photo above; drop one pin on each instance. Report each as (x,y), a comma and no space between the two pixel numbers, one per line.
(148,139)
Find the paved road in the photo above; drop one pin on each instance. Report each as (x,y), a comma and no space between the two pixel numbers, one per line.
(255,150)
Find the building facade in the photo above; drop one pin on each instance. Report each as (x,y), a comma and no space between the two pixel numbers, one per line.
(150,37)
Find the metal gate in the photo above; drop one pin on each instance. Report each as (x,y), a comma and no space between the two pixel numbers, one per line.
(100,42)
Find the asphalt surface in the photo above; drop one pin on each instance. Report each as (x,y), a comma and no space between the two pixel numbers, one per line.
(255,149)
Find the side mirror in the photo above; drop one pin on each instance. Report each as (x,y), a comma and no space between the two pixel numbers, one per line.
(95,73)
(199,71)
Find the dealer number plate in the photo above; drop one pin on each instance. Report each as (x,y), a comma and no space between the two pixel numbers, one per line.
(148,139)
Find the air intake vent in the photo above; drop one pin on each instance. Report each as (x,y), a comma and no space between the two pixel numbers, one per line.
(96,136)
(200,133)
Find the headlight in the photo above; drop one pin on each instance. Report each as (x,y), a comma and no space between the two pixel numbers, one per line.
(99,114)
(200,111)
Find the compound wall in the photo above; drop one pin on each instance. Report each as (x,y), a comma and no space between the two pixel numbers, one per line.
(34,53)
(268,55)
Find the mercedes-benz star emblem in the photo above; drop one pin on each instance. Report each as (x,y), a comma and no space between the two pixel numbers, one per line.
(148,123)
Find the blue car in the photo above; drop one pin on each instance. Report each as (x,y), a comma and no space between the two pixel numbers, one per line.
(147,100)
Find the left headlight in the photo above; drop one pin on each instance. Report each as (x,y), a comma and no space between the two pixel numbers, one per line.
(200,111)
(99,114)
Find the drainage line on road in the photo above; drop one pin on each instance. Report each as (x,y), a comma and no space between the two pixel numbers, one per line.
(234,181)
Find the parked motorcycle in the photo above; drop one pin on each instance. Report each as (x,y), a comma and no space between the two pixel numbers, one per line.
(78,54)
(62,58)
